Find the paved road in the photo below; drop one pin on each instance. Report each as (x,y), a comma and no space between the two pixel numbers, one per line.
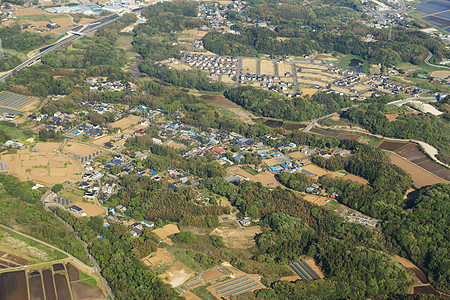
(295,79)
(73,35)
(258,66)
(433,65)
(275,68)
(96,268)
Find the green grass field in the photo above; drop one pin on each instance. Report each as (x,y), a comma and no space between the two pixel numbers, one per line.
(203,293)
(332,205)
(250,170)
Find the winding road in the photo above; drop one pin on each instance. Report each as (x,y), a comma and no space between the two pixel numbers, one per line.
(426,61)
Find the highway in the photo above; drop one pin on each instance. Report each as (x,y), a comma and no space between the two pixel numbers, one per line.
(73,34)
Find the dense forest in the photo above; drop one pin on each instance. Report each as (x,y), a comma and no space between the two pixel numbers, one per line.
(267,103)
(298,228)
(9,62)
(254,41)
(101,49)
(383,199)
(428,128)
(14,38)
(163,19)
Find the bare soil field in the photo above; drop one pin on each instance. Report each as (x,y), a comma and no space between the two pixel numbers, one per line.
(392,117)
(316,170)
(420,177)
(409,265)
(318,200)
(238,237)
(126,122)
(271,162)
(391,145)
(195,32)
(440,74)
(177,274)
(167,230)
(266,67)
(102,140)
(297,155)
(266,178)
(46,147)
(291,126)
(91,209)
(320,76)
(79,149)
(335,117)
(249,65)
(243,115)
(47,168)
(352,177)
(160,257)
(312,263)
(211,275)
(85,291)
(219,100)
(283,68)
(29,11)
(291,278)
(177,145)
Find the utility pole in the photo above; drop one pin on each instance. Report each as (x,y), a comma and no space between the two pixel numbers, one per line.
(2,55)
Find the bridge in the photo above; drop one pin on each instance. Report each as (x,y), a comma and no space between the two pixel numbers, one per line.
(74,33)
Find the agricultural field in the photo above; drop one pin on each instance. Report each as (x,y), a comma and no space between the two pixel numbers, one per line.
(249,65)
(18,250)
(419,176)
(126,122)
(40,19)
(237,237)
(57,281)
(164,232)
(79,150)
(267,67)
(16,104)
(91,209)
(266,178)
(44,166)
(423,170)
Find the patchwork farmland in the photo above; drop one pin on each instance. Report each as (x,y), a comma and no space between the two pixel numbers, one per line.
(15,103)
(412,154)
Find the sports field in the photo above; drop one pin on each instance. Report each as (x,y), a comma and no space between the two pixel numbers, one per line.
(15,103)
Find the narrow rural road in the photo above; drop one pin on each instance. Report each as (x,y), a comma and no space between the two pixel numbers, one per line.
(96,268)
(76,260)
(433,65)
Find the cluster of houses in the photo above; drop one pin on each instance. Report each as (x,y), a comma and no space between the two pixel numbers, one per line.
(115,216)
(340,71)
(396,87)
(217,14)
(215,65)
(346,80)
(101,84)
